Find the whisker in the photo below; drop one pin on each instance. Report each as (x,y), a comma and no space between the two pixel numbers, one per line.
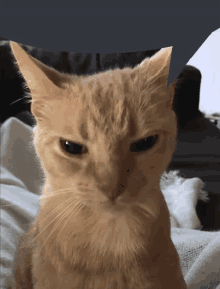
(48,217)
(55,227)
(42,221)
(62,190)
(43,197)
(54,195)
(80,208)
(17,100)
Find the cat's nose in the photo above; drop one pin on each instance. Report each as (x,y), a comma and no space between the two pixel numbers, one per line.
(112,191)
(109,179)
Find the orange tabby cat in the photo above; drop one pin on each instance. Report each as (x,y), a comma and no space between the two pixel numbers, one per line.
(103,142)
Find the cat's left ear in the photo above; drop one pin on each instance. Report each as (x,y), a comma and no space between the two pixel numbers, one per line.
(152,75)
(156,69)
(159,63)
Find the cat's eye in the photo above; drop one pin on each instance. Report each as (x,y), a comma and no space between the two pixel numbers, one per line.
(72,148)
(144,144)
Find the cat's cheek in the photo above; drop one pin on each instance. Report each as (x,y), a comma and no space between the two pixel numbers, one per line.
(147,169)
(57,166)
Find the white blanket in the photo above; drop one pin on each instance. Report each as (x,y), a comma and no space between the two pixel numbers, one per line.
(21,179)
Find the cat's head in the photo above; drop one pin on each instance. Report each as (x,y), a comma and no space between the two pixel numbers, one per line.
(111,132)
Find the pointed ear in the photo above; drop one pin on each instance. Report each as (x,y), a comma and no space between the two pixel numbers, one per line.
(43,81)
(158,65)
(152,76)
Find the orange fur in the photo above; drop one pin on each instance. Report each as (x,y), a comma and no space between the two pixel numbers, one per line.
(103,221)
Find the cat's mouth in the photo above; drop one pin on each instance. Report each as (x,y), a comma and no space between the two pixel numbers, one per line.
(113,206)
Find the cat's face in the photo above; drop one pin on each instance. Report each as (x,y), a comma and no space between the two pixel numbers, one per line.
(105,139)
(97,137)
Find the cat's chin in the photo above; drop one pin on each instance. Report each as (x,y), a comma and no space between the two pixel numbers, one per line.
(114,207)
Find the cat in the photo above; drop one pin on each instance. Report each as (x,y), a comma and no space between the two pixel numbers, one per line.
(103,142)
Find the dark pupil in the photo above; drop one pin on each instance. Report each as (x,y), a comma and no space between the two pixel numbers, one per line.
(72,148)
(140,146)
(144,144)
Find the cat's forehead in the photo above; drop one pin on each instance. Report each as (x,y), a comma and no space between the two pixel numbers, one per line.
(107,104)
(97,107)
(90,119)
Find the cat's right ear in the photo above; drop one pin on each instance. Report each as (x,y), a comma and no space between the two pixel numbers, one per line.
(43,81)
